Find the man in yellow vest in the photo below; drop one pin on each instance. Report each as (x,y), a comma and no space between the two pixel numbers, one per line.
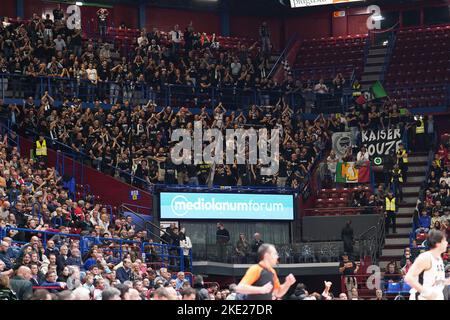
(390,208)
(41,149)
(420,133)
(402,160)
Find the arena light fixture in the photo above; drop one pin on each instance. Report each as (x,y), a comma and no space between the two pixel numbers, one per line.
(79,3)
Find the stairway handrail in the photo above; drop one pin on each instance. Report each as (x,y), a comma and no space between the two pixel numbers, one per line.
(283,53)
(124,206)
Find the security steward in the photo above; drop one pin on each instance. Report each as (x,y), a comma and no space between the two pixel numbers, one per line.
(41,150)
(402,160)
(420,133)
(390,208)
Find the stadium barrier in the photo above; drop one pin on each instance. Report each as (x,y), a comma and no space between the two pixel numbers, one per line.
(168,255)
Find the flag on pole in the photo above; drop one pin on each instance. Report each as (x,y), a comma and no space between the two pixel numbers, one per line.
(347,172)
(378,90)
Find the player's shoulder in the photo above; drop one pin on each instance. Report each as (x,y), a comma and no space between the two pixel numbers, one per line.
(255,268)
(424,257)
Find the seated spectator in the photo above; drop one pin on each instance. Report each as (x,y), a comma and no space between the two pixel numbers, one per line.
(5,290)
(358,198)
(242,248)
(391,274)
(435,219)
(406,262)
(379,295)
(50,281)
(424,223)
(355,294)
(371,205)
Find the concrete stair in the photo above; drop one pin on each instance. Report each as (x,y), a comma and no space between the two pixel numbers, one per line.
(374,60)
(370,77)
(377,51)
(373,66)
(392,252)
(416,178)
(396,243)
(373,69)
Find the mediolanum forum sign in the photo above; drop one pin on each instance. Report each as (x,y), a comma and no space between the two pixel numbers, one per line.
(311,3)
(232,206)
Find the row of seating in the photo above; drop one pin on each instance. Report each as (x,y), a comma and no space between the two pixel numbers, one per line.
(339,39)
(329,55)
(428,30)
(420,57)
(339,193)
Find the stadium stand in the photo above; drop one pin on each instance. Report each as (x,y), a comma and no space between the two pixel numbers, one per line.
(115,99)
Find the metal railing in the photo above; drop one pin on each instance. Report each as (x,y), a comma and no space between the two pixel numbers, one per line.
(306,252)
(346,210)
(153,252)
(149,226)
(372,240)
(283,54)
(391,45)
(235,98)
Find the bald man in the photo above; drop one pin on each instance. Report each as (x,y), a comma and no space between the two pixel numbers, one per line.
(4,246)
(132,294)
(21,283)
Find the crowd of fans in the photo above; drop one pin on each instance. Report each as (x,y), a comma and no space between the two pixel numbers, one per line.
(105,137)
(49,240)
(134,136)
(433,209)
(46,47)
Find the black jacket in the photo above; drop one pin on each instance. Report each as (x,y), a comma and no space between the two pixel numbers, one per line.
(23,288)
(6,259)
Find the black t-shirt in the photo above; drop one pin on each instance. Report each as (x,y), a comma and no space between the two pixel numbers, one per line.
(192,170)
(303,160)
(220,178)
(170,173)
(58,14)
(222,236)
(48,23)
(348,271)
(104,73)
(76,39)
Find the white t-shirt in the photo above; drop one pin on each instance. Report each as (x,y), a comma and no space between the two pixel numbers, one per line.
(332,163)
(321,88)
(447,180)
(176,36)
(91,74)
(362,157)
(235,68)
(142,41)
(59,44)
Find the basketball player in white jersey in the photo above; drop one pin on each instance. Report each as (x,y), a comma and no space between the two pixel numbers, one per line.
(426,276)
